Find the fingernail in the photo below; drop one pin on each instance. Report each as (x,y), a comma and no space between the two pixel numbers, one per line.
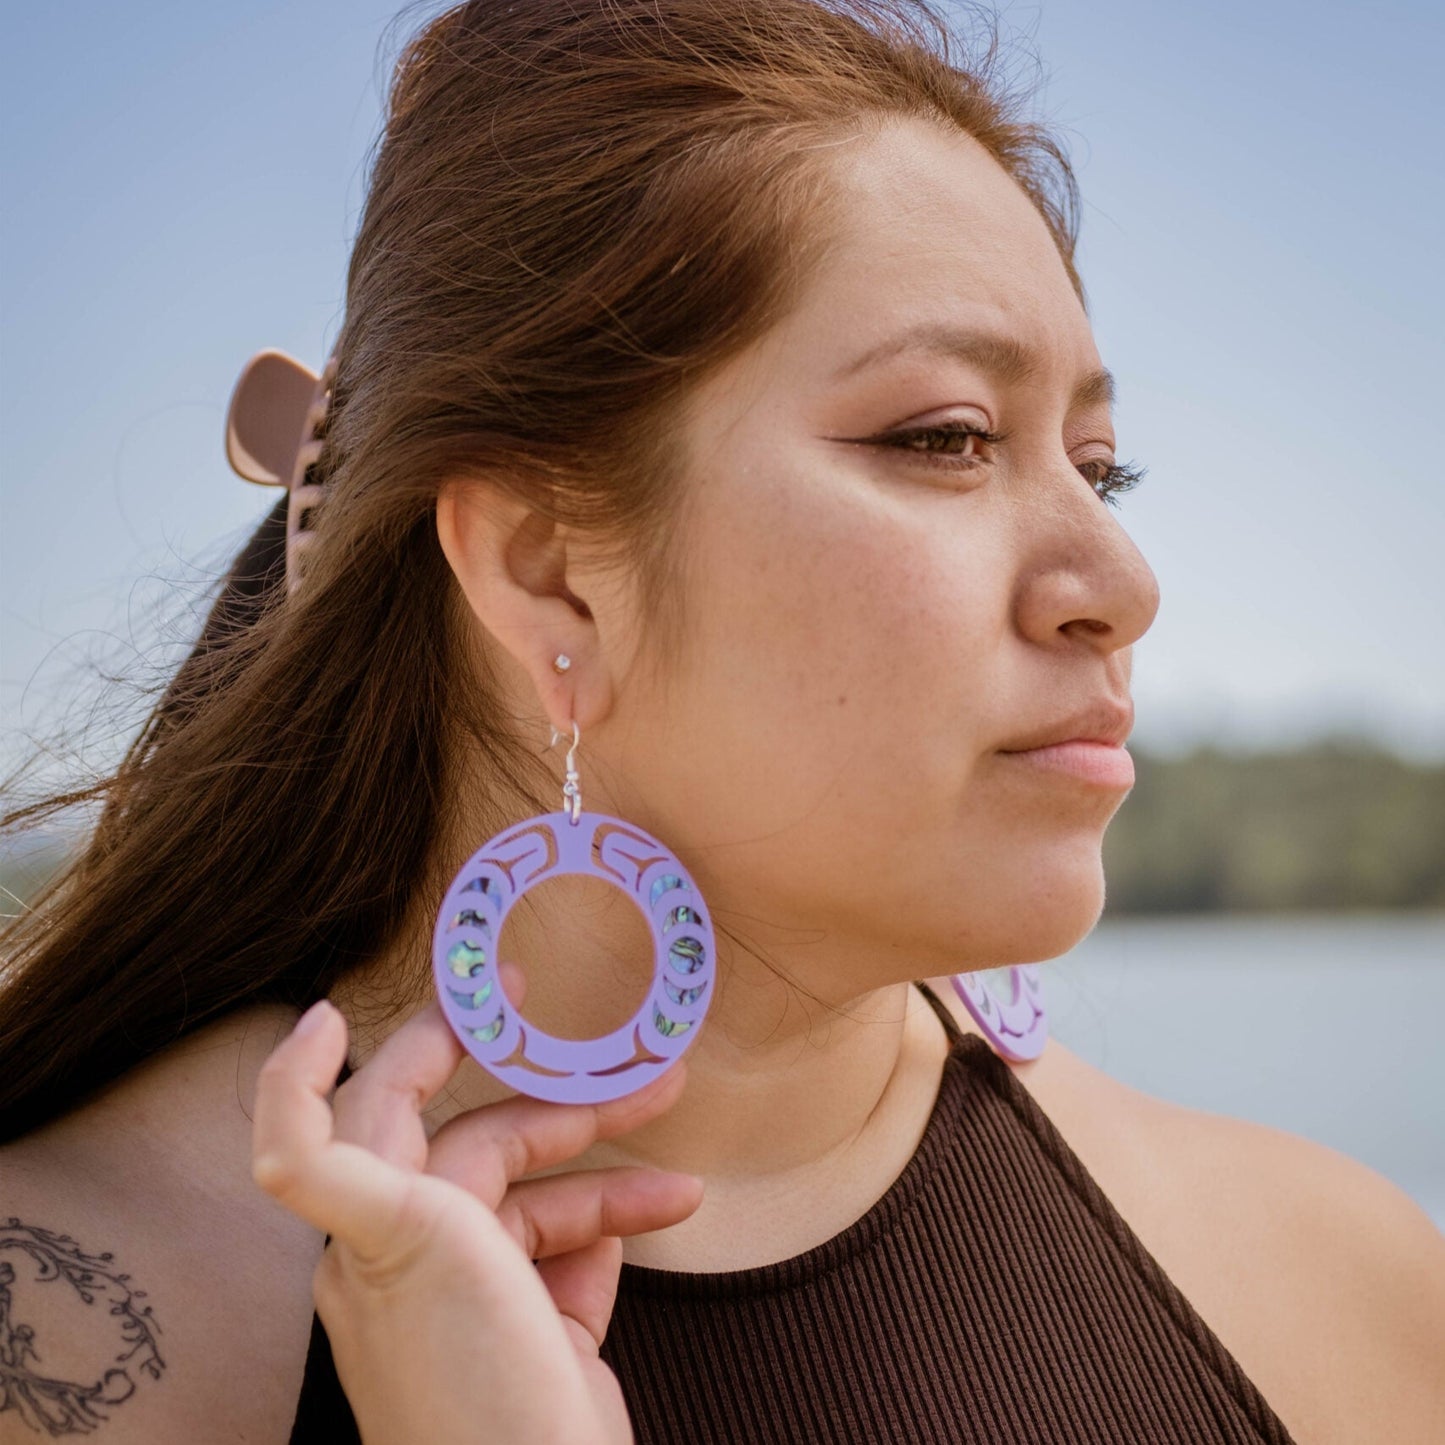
(311,1019)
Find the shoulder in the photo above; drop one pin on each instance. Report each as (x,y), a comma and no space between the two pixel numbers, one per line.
(1330,1279)
(145,1281)
(1322,1278)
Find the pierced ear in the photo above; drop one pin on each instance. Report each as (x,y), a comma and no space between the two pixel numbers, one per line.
(511,563)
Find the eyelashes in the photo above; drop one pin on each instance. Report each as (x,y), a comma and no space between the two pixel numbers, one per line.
(1108,482)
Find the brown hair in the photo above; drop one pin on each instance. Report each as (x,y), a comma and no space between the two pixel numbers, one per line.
(575,212)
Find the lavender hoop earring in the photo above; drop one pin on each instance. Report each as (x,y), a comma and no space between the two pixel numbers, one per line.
(469,926)
(1018,1029)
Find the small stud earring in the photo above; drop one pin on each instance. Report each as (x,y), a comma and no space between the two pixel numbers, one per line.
(561,662)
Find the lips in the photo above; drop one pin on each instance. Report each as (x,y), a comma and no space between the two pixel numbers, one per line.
(1102,721)
(1107,764)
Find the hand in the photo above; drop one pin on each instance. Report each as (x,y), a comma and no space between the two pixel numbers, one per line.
(442,1327)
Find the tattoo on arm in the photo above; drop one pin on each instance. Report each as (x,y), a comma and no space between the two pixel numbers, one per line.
(43,1401)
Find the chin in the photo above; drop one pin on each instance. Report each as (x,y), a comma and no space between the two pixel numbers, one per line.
(1051,932)
(1029,916)
(1057,905)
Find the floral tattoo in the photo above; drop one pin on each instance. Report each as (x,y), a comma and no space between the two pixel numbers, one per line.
(43,1401)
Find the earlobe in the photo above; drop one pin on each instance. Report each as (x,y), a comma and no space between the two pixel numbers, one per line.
(511,564)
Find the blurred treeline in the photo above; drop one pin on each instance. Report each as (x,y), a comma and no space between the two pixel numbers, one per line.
(1338,824)
(1335,825)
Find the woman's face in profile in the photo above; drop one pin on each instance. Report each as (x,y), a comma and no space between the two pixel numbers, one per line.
(870,624)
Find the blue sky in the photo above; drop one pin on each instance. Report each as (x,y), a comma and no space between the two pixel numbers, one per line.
(1260,245)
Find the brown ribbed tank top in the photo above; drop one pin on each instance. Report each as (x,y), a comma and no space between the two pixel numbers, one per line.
(992,1295)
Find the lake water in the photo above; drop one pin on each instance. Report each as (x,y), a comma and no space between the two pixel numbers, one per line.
(1327,1026)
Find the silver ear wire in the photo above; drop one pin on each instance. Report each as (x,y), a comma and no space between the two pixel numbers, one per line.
(572,788)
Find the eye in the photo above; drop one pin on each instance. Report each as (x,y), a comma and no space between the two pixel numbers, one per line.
(944,446)
(1115,479)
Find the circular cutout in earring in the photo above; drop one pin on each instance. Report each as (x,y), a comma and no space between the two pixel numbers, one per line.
(469,926)
(1018,1029)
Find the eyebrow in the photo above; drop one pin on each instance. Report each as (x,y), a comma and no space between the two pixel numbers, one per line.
(999,355)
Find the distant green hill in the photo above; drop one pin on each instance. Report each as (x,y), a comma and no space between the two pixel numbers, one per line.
(1337,825)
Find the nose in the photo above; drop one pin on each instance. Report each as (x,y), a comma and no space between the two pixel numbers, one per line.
(1084,577)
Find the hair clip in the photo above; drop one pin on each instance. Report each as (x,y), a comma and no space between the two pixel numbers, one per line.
(275,430)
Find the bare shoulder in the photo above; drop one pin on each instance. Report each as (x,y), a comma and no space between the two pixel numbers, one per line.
(149,1290)
(1327,1279)
(1324,1279)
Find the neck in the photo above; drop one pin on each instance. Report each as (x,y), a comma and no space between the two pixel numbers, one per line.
(777,1082)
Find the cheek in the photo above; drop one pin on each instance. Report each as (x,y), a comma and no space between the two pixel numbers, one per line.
(851,635)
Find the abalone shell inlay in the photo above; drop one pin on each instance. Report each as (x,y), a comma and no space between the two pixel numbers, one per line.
(681,995)
(687,954)
(682,914)
(669,1027)
(668,883)
(487,1034)
(472,1000)
(466,959)
(469,928)
(470,918)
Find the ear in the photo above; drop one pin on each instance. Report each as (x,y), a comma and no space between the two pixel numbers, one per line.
(511,563)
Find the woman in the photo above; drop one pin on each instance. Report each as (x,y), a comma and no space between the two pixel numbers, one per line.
(734,356)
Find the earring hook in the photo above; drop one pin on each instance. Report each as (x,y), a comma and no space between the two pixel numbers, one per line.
(572,788)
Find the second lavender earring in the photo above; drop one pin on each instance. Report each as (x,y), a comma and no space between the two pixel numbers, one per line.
(1019,1028)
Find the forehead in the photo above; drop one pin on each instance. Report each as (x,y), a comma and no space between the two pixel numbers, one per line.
(932,233)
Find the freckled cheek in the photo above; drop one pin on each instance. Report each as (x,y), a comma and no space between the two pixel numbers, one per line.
(925,658)
(850,601)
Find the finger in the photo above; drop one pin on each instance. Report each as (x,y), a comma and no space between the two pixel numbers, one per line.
(291,1113)
(379,1107)
(485,1149)
(338,1188)
(564,1212)
(583,1286)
